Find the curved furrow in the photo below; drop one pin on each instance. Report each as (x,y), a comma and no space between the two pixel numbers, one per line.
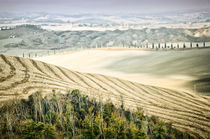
(132,94)
(188,130)
(167,102)
(174,100)
(188,115)
(143,99)
(59,69)
(179,105)
(147,96)
(199,130)
(193,98)
(92,80)
(174,93)
(162,112)
(65,74)
(52,79)
(76,78)
(193,102)
(41,76)
(108,86)
(87,80)
(181,112)
(12,69)
(112,84)
(80,78)
(24,80)
(68,84)
(166,112)
(153,102)
(52,71)
(189,103)
(207,98)
(35,64)
(187,94)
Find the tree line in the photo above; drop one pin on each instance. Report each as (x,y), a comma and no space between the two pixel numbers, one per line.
(73,115)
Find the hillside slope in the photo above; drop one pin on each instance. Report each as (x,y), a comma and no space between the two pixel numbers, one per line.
(189,112)
(186,70)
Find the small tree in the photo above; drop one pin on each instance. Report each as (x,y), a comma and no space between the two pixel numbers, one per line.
(31,129)
(160,131)
(184,46)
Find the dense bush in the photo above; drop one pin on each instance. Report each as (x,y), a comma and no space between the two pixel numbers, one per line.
(73,115)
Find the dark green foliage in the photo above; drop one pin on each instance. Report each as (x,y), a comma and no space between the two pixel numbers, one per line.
(73,115)
(160,131)
(33,130)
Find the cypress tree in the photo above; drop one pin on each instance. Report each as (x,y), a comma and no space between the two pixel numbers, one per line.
(177,45)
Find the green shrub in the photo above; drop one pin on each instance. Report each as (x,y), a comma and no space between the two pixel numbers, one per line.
(33,130)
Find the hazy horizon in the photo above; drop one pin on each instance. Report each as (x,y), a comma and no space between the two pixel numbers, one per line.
(98,6)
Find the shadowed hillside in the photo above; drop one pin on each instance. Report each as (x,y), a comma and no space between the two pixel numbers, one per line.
(193,64)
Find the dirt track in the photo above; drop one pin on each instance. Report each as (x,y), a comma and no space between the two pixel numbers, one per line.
(187,111)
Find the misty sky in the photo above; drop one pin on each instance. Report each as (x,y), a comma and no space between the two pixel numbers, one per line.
(103,6)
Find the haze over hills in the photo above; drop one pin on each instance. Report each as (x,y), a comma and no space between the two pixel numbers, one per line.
(156,61)
(102,22)
(85,30)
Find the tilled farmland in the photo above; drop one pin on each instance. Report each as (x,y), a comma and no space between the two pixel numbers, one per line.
(187,111)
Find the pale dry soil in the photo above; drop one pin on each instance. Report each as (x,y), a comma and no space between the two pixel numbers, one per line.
(171,69)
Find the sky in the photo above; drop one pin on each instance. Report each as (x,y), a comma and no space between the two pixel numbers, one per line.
(102,6)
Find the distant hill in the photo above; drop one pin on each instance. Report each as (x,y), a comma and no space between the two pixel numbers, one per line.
(33,37)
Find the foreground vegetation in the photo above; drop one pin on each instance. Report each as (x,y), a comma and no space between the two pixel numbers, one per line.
(73,115)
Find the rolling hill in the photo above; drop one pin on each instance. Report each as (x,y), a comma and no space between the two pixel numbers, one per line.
(31,38)
(186,70)
(20,77)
